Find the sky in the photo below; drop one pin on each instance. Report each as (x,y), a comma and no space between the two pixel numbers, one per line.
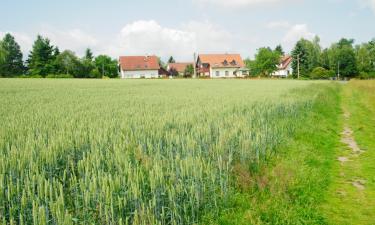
(179,28)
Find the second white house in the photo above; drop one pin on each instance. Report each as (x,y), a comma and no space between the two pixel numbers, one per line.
(139,67)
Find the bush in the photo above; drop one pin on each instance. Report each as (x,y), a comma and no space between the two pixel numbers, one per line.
(59,76)
(320,73)
(363,75)
(30,76)
(371,75)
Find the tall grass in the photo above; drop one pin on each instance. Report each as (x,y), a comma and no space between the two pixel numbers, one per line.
(133,152)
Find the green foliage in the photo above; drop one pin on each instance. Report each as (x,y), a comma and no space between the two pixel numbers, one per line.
(41,58)
(140,152)
(68,63)
(11,62)
(342,58)
(88,65)
(320,73)
(106,66)
(265,62)
(189,71)
(347,62)
(291,187)
(280,50)
(171,60)
(59,76)
(351,205)
(307,53)
(363,75)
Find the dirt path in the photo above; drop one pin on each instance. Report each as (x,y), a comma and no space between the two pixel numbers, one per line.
(351,195)
(349,141)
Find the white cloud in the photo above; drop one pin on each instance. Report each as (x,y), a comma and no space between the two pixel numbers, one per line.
(241,3)
(297,32)
(209,37)
(278,24)
(368,3)
(73,39)
(148,37)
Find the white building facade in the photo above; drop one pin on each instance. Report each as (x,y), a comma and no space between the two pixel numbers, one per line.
(137,74)
(284,69)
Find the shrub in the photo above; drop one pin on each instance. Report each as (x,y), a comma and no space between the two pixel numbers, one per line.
(59,76)
(320,73)
(363,75)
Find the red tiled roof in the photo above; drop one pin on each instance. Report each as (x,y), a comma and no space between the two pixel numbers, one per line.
(139,63)
(285,61)
(222,60)
(180,67)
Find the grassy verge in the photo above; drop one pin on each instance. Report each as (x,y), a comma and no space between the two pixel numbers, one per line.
(348,204)
(290,188)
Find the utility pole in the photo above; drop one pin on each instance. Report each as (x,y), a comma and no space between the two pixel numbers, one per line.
(298,65)
(338,70)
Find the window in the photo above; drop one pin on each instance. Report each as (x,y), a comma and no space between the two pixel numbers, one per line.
(226,73)
(217,73)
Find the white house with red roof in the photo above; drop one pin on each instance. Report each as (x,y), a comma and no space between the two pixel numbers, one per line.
(221,66)
(284,69)
(139,67)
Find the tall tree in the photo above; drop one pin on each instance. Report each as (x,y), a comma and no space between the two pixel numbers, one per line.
(266,62)
(189,70)
(41,57)
(371,50)
(89,55)
(306,57)
(280,50)
(324,59)
(363,58)
(342,58)
(2,56)
(12,63)
(88,64)
(171,60)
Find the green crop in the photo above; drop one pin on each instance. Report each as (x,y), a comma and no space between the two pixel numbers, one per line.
(133,152)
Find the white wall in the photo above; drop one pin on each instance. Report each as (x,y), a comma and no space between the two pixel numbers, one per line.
(222,71)
(284,73)
(139,74)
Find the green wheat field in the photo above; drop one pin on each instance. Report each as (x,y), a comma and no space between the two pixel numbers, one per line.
(151,151)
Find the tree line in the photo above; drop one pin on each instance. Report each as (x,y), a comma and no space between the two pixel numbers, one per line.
(46,60)
(311,61)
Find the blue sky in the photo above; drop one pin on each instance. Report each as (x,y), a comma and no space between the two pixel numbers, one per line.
(182,27)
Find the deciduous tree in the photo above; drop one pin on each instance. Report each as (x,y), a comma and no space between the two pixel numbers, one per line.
(106,66)
(266,62)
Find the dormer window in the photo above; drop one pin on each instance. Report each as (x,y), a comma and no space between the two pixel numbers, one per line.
(225,63)
(233,63)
